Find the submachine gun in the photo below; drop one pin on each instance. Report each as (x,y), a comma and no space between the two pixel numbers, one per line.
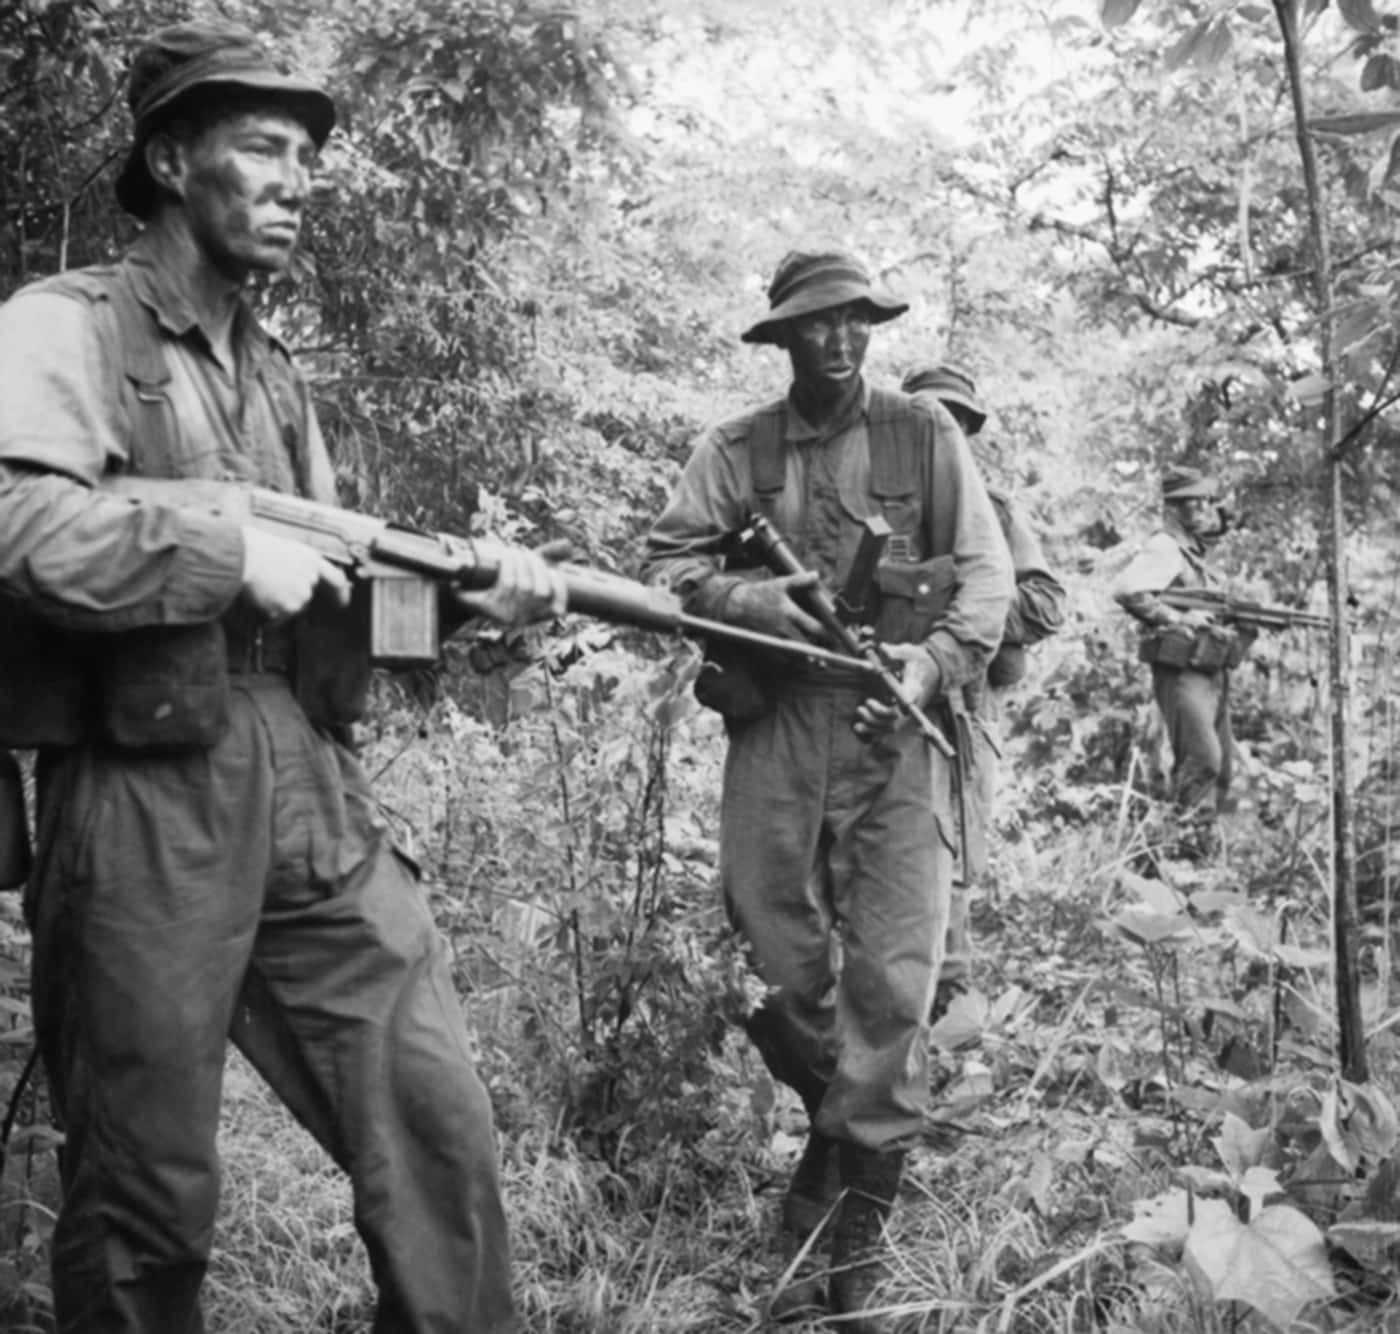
(1237,611)
(760,536)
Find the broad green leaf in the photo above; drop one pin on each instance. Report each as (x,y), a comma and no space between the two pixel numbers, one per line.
(1375,73)
(1144,927)
(1374,1242)
(962,1023)
(1240,1147)
(1276,1264)
(1216,900)
(1360,14)
(1258,1185)
(1157,895)
(1115,13)
(1188,46)
(1308,389)
(1216,44)
(1357,122)
(1252,929)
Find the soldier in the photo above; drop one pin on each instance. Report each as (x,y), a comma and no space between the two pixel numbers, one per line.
(210,861)
(1037,612)
(825,821)
(1190,656)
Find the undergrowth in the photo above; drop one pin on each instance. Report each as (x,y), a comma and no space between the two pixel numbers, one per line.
(1126,1007)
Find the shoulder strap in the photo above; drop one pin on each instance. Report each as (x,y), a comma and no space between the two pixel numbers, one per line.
(767,465)
(906,438)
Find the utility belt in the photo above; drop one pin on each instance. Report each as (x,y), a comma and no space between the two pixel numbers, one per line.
(1208,648)
(166,687)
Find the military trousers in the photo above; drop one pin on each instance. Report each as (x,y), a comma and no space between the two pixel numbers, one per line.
(250,891)
(836,871)
(1195,707)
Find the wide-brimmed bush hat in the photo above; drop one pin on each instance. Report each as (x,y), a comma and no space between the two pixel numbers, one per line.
(173,62)
(808,281)
(949,384)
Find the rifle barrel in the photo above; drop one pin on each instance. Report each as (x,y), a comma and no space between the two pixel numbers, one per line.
(792,647)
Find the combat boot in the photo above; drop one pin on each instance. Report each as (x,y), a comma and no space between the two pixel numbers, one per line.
(807,1205)
(870,1180)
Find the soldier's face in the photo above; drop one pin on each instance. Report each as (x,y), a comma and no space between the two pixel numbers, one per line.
(244,183)
(1195,513)
(828,347)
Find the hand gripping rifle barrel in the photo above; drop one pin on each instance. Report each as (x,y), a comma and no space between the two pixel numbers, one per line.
(404,569)
(779,556)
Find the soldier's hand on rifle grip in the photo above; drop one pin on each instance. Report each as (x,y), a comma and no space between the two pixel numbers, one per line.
(527,588)
(767,605)
(281,576)
(920,680)
(1194,619)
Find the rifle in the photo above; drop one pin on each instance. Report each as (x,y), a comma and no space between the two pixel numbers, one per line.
(773,547)
(405,568)
(1238,611)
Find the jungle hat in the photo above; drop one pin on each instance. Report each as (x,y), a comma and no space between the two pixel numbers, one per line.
(174,61)
(949,384)
(1183,483)
(809,281)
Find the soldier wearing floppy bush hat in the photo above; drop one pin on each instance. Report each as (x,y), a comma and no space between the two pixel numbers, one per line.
(211,862)
(1191,657)
(826,823)
(1036,612)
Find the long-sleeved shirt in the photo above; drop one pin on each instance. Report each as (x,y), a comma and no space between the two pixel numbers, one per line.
(1170,558)
(685,548)
(1038,608)
(91,561)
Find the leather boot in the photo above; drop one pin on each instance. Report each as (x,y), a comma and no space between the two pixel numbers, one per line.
(815,1184)
(871,1181)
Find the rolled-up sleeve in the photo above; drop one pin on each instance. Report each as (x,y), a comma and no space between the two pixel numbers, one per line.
(684,550)
(966,637)
(1038,608)
(77,556)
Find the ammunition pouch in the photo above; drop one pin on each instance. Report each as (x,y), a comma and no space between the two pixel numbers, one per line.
(1209,648)
(913,598)
(736,682)
(164,688)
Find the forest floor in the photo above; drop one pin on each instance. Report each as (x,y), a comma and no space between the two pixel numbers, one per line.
(1123,1006)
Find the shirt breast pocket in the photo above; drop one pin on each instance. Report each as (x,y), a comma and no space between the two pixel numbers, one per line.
(913,597)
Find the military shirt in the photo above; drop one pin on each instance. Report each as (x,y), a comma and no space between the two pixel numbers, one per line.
(716,492)
(97,562)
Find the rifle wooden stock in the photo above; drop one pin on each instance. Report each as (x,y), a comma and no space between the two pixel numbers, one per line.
(819,601)
(406,567)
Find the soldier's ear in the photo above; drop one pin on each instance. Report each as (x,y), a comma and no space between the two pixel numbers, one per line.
(165,160)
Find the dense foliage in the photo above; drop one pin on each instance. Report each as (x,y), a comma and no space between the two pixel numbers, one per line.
(537,232)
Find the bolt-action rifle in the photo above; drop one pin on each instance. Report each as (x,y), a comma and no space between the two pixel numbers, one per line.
(405,570)
(763,538)
(1238,611)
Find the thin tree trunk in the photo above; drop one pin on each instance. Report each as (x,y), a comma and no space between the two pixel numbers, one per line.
(1351,1049)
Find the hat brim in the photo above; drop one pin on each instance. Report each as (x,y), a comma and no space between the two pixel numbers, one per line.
(138,193)
(977,415)
(823,296)
(1205,490)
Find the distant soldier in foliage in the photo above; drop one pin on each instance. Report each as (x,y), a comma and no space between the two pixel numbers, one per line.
(1037,612)
(211,862)
(1190,654)
(826,826)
